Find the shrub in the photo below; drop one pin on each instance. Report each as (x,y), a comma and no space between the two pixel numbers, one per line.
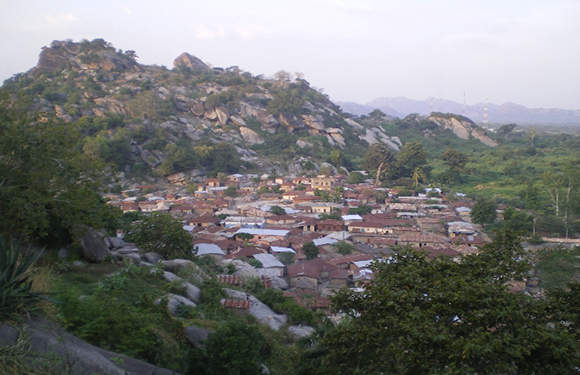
(16,295)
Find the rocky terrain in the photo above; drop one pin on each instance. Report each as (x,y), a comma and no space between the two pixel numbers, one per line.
(155,121)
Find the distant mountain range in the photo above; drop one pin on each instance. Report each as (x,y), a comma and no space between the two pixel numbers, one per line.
(497,114)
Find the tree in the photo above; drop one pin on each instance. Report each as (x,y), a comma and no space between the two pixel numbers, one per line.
(377,159)
(245,237)
(418,175)
(363,209)
(233,349)
(310,250)
(355,178)
(47,186)
(454,159)
(533,202)
(343,247)
(231,191)
(440,316)
(377,114)
(505,130)
(483,212)
(335,158)
(161,233)
(287,258)
(277,210)
(412,155)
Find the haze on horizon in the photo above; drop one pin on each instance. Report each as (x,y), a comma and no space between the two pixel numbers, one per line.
(521,51)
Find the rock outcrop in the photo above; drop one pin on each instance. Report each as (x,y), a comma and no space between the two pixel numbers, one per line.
(196,65)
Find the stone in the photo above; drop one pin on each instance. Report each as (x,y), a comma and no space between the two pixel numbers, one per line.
(237,120)
(153,258)
(259,310)
(314,122)
(250,136)
(210,114)
(196,335)
(48,342)
(197,109)
(301,331)
(93,247)
(354,124)
(173,302)
(193,292)
(193,63)
(62,253)
(222,115)
(116,242)
(300,143)
(279,283)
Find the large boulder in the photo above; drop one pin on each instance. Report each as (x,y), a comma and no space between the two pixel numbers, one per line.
(196,65)
(250,136)
(301,331)
(173,302)
(196,335)
(51,347)
(93,246)
(259,310)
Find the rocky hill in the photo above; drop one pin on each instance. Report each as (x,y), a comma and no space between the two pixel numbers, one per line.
(151,120)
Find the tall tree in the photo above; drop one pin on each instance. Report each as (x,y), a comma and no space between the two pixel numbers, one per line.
(161,233)
(413,155)
(377,159)
(483,212)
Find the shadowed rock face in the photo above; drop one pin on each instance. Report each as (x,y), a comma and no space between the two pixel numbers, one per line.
(192,62)
(48,343)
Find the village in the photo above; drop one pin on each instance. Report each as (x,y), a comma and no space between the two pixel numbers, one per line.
(310,236)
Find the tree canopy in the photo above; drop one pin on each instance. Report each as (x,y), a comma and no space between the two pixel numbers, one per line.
(423,316)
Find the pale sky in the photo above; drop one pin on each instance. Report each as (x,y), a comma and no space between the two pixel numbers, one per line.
(521,51)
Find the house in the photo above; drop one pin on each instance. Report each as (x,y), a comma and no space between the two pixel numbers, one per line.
(368,228)
(204,221)
(322,183)
(281,220)
(259,234)
(270,265)
(323,208)
(212,182)
(210,249)
(421,240)
(330,225)
(244,222)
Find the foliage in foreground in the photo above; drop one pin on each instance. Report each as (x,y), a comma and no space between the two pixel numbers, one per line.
(16,296)
(439,316)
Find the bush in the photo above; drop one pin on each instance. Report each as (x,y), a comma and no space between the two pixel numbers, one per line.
(16,296)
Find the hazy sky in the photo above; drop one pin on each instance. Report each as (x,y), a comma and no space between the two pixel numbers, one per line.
(521,51)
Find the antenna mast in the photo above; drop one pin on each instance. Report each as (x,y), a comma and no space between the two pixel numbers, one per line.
(485,113)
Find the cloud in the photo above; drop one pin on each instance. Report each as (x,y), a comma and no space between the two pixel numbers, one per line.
(350,5)
(203,32)
(251,31)
(125,9)
(61,21)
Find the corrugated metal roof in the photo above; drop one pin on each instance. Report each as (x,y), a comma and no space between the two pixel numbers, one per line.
(269,261)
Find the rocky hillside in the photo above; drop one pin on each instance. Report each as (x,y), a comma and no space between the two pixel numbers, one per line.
(153,120)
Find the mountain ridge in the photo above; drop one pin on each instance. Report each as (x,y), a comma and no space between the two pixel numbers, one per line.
(498,114)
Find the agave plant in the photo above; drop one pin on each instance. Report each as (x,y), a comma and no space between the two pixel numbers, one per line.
(16,296)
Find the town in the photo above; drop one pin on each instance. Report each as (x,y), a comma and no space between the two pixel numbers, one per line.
(310,236)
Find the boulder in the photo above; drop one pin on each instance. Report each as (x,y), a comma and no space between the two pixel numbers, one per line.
(301,331)
(222,115)
(314,122)
(153,258)
(47,343)
(237,120)
(173,302)
(210,114)
(279,283)
(353,123)
(116,242)
(195,335)
(192,292)
(250,136)
(193,63)
(93,247)
(197,109)
(259,310)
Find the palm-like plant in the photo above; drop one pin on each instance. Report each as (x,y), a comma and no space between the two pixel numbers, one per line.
(16,296)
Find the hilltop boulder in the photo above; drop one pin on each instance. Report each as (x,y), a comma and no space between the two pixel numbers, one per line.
(196,65)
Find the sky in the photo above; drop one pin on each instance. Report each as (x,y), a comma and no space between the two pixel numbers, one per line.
(521,51)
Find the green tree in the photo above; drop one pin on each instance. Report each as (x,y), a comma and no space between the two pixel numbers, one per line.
(440,316)
(335,158)
(363,209)
(233,349)
(343,247)
(310,250)
(287,258)
(454,159)
(161,233)
(355,178)
(47,186)
(377,114)
(483,212)
(277,210)
(505,130)
(377,160)
(533,202)
(412,155)
(245,237)
(231,191)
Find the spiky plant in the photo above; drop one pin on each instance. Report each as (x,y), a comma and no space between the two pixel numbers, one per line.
(16,296)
